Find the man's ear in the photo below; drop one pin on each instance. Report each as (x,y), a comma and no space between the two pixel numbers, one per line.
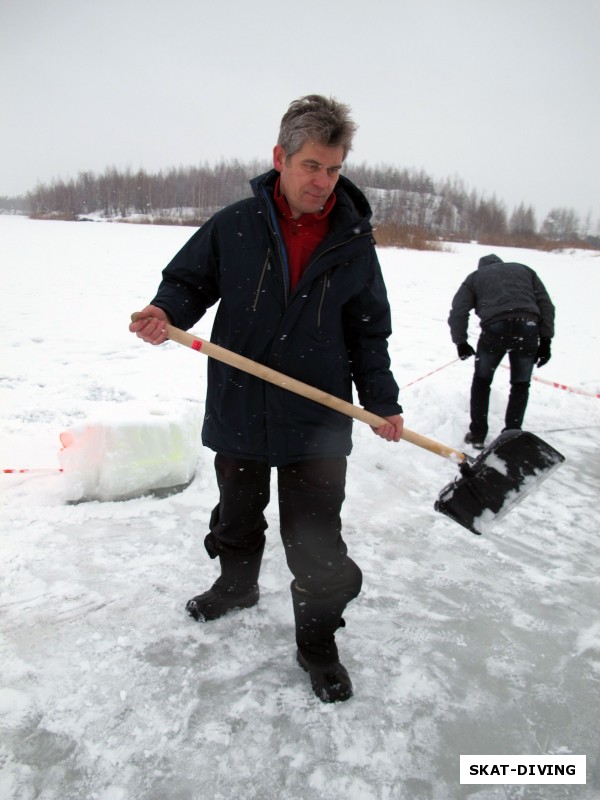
(278,157)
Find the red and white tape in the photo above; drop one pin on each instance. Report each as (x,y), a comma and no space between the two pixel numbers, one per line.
(21,471)
(560,385)
(433,371)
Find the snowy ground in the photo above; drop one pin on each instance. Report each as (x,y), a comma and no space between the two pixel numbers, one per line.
(458,644)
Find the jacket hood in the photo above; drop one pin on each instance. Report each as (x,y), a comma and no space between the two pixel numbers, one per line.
(491,259)
(347,193)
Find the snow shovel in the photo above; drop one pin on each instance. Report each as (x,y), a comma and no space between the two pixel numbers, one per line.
(503,474)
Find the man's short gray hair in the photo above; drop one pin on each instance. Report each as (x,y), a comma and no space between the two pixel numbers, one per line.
(321,119)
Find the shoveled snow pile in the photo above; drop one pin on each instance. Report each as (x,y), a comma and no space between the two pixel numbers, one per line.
(128,450)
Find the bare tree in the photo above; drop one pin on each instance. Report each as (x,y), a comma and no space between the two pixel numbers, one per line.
(522,221)
(561,225)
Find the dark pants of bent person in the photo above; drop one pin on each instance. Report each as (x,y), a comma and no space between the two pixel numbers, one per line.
(311,494)
(518,338)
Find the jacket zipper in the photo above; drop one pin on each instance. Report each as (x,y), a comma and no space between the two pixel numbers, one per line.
(271,222)
(326,284)
(261,279)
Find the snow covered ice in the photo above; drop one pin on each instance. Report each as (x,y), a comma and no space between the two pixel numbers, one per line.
(458,644)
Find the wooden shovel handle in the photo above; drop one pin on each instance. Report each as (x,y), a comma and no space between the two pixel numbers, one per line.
(305,390)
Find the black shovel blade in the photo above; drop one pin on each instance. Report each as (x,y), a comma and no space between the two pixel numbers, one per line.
(503,474)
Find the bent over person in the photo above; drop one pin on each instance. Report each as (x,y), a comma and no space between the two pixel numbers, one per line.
(300,289)
(517,317)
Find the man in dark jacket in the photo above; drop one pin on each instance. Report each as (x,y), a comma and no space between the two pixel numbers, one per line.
(517,317)
(300,289)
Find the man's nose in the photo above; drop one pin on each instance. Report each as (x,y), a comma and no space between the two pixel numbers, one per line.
(321,178)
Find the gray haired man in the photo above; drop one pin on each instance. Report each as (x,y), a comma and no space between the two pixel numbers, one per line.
(300,289)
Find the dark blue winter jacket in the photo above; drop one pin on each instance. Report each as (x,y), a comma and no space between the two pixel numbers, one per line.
(330,331)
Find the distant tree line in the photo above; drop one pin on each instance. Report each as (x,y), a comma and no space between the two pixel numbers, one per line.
(13,205)
(403,200)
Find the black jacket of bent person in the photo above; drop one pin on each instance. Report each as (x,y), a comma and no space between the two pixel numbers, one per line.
(498,291)
(332,330)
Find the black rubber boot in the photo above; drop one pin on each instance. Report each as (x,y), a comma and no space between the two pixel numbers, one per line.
(212,604)
(317,619)
(330,682)
(236,587)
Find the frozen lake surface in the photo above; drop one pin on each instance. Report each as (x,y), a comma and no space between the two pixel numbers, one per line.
(458,644)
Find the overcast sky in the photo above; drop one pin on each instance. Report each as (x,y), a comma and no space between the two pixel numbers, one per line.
(501,93)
